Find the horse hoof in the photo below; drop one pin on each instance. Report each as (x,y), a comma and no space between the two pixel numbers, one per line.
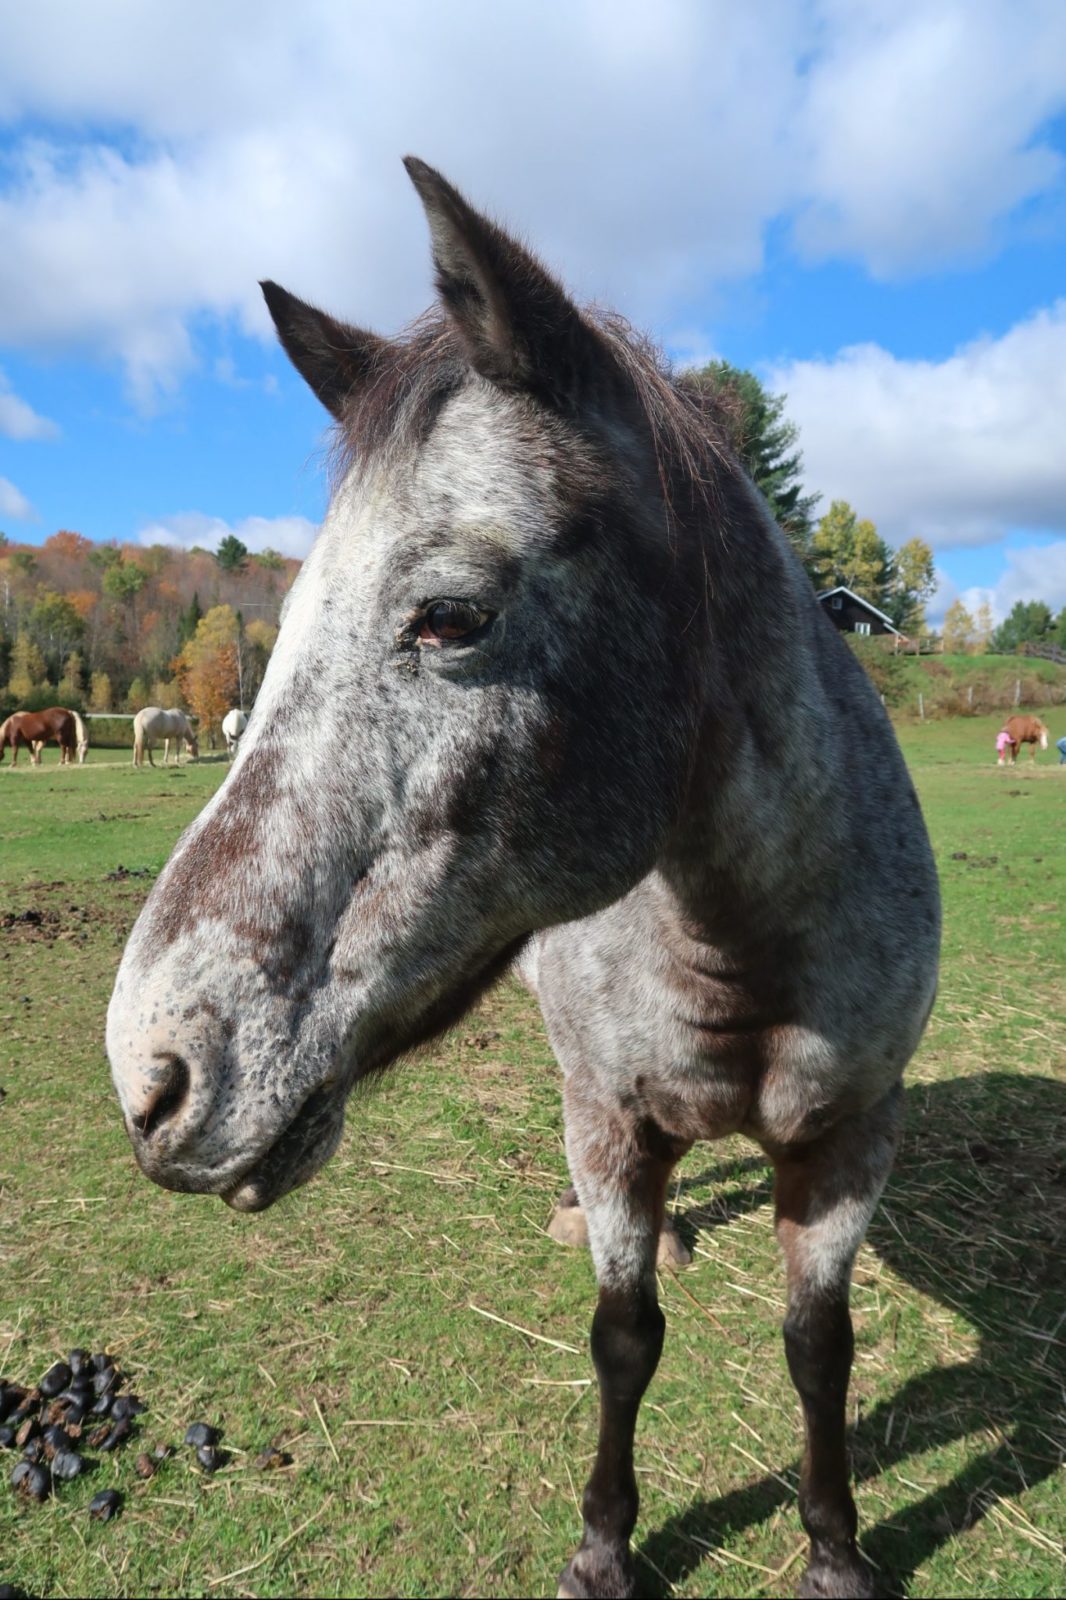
(848,1580)
(672,1252)
(568,1226)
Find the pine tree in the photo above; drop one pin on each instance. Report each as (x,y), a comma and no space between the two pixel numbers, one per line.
(1028,620)
(232,555)
(765,442)
(190,620)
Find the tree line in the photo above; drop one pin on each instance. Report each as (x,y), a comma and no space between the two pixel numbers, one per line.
(842,548)
(114,627)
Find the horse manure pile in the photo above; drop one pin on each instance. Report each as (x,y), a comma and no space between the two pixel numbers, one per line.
(77,1406)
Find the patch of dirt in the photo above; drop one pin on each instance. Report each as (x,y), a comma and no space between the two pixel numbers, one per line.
(45,925)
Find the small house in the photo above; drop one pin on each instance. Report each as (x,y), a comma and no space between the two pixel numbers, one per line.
(852,614)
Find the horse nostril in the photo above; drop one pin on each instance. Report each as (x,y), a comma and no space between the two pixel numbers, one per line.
(170,1096)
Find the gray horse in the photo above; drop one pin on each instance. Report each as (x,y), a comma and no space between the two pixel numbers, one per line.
(576,705)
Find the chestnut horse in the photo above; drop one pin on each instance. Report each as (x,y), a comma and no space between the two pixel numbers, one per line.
(574,704)
(36,728)
(1025,730)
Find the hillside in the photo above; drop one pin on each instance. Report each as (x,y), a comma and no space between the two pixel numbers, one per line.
(101,625)
(960,685)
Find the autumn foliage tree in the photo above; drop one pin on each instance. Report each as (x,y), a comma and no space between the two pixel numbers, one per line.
(207,668)
(958,630)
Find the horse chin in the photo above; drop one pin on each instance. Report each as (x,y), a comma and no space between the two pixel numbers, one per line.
(304,1148)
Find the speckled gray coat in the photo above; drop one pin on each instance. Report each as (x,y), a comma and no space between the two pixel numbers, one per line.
(552,686)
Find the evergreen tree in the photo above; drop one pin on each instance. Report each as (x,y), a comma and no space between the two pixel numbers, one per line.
(1029,620)
(1058,634)
(911,582)
(190,620)
(765,441)
(232,555)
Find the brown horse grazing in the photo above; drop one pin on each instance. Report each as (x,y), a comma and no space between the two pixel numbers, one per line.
(36,728)
(1025,730)
(547,730)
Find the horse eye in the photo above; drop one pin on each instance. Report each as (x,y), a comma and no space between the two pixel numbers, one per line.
(451,619)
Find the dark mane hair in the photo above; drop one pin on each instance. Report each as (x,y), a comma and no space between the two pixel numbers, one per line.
(413,376)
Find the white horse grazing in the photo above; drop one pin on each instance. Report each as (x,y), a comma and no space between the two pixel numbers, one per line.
(233,725)
(154,723)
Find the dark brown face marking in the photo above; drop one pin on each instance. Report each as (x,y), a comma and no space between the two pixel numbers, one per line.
(226,845)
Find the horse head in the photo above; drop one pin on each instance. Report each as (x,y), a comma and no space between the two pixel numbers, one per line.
(476,721)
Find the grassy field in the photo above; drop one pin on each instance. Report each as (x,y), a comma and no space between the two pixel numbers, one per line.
(373,1322)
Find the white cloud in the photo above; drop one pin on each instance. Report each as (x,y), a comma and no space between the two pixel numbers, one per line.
(922,126)
(19,420)
(290,536)
(957,451)
(13,502)
(645,150)
(1037,572)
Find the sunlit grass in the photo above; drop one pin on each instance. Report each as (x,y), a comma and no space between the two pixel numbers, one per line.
(372,1322)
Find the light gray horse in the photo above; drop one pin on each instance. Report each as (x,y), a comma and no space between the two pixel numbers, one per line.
(574,700)
(153,723)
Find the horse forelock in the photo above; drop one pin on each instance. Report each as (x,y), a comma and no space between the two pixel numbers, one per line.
(413,376)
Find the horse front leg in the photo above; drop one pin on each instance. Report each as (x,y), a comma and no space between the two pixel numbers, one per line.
(621,1166)
(825,1195)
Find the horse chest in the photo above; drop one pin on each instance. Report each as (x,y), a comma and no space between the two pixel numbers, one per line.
(686,1050)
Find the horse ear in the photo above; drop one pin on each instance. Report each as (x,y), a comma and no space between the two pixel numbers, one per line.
(520,328)
(334,358)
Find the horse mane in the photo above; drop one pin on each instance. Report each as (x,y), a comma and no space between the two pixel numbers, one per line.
(412,376)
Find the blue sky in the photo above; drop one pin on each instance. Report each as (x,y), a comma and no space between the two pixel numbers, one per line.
(865,202)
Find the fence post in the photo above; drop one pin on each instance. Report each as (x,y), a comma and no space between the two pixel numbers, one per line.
(1017,690)
(921,706)
(969,696)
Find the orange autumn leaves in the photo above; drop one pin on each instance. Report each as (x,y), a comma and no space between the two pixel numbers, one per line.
(211,664)
(207,667)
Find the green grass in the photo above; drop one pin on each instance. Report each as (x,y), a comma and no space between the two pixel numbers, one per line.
(439,1451)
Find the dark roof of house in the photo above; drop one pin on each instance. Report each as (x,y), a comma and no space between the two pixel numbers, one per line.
(859,601)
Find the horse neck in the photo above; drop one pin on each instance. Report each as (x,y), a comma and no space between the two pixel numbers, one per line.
(775,687)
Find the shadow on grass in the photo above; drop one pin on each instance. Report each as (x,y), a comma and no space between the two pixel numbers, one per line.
(974,1217)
